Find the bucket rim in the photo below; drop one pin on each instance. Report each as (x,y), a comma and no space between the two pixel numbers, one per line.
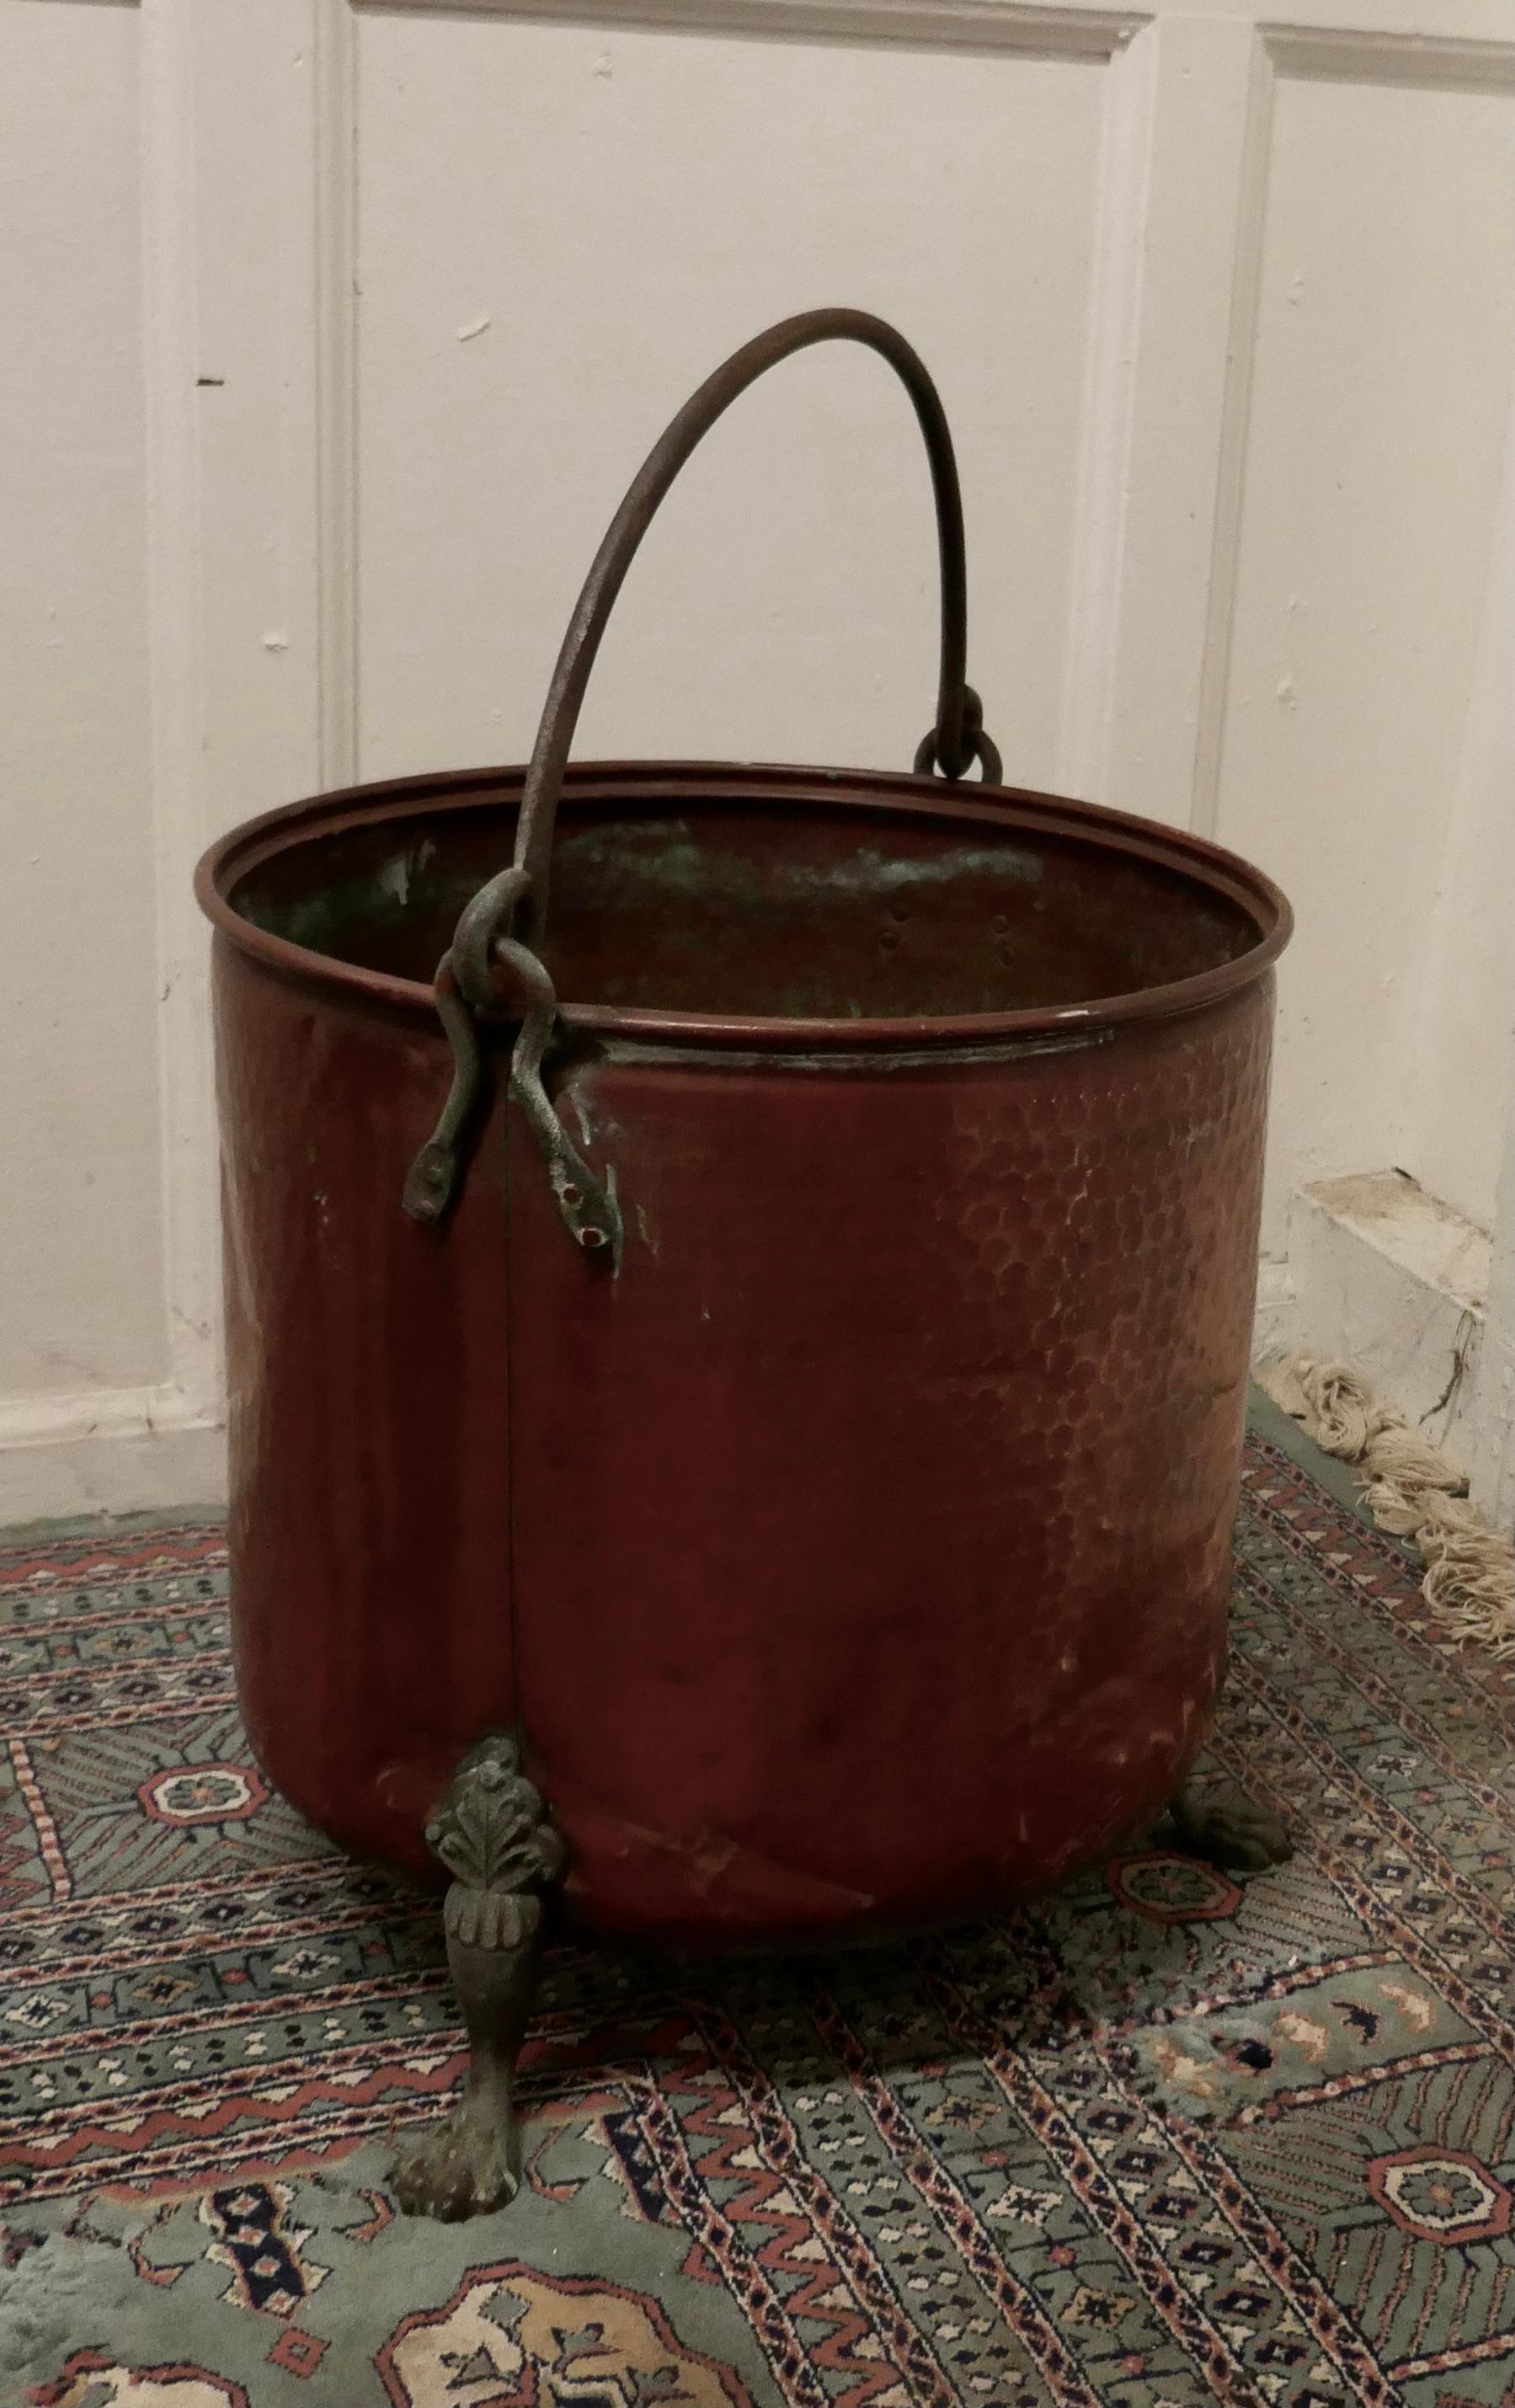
(339,810)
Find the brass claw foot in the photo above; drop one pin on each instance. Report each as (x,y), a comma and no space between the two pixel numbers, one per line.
(492,1835)
(470,2164)
(1218,1823)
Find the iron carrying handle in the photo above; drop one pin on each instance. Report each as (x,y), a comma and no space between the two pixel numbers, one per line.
(508,914)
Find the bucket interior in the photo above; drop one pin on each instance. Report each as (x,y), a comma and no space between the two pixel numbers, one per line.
(778,911)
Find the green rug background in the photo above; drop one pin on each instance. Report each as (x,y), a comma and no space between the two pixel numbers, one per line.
(1160,2138)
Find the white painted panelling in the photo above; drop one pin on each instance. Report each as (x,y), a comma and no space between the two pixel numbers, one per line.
(1455,1135)
(1142,757)
(1463,1128)
(333,334)
(1371,430)
(79,1220)
(258,406)
(561,232)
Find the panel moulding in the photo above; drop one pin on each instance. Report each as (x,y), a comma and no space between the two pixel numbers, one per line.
(1432,62)
(1066,31)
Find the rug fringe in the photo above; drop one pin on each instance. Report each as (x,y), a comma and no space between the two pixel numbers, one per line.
(1409,1488)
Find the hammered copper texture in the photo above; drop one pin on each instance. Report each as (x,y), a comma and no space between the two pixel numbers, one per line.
(863,1541)
(892,1480)
(368,1435)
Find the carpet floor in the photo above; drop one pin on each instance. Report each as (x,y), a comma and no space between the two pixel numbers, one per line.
(1160,2138)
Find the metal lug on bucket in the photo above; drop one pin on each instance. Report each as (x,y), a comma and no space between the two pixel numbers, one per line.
(587,1203)
(433,1178)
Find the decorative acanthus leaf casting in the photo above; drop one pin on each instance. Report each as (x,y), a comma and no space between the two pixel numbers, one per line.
(491,1832)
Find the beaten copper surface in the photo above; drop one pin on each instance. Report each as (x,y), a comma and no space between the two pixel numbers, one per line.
(858,1552)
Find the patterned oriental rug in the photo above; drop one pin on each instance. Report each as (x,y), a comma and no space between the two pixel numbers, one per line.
(1163,2138)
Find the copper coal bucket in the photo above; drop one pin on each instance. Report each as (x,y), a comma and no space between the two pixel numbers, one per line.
(774,1480)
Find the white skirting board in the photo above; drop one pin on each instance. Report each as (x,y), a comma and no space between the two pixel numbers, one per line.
(1393,1282)
(121,1451)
